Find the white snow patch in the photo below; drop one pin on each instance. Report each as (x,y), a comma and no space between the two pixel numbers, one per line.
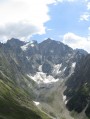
(24,47)
(32,45)
(36,103)
(66,102)
(41,77)
(64,99)
(64,69)
(40,68)
(74,64)
(27,57)
(56,69)
(72,68)
(85,84)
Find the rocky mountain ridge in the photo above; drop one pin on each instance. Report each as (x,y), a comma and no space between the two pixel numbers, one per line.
(41,70)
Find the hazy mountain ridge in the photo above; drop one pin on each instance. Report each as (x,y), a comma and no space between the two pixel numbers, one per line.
(40,69)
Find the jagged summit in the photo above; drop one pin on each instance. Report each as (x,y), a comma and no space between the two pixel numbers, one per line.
(48,39)
(15,42)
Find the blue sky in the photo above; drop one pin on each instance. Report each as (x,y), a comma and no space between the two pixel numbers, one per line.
(65,17)
(71,19)
(63,20)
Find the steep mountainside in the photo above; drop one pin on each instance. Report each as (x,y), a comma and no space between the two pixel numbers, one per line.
(15,103)
(33,77)
(78,87)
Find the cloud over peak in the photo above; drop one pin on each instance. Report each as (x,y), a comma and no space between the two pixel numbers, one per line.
(23,18)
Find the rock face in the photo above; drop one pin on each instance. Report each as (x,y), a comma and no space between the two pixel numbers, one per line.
(43,70)
(78,87)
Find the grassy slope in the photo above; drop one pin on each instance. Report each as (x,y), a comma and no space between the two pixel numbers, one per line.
(16,104)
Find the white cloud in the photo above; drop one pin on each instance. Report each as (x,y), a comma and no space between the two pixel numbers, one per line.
(23,18)
(19,30)
(88,5)
(76,41)
(85,17)
(89,28)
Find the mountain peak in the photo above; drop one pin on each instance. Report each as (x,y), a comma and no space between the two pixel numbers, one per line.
(49,39)
(15,42)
